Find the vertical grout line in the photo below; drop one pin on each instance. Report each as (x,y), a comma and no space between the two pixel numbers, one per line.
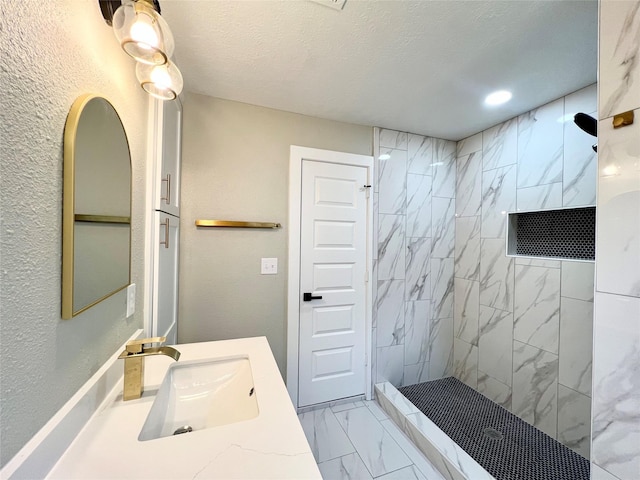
(453,274)
(559,350)
(513,313)
(564,148)
(564,124)
(480,234)
(404,252)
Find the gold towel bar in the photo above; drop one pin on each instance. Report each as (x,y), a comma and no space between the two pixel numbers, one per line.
(101,219)
(232,224)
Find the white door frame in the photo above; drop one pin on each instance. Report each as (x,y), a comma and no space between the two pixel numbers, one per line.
(293,290)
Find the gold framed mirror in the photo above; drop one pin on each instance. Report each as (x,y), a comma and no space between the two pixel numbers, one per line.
(96,223)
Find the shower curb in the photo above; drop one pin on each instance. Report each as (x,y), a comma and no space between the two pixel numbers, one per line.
(450,460)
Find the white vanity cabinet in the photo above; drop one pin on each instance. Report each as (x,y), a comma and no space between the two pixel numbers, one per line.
(165,280)
(166,118)
(167,162)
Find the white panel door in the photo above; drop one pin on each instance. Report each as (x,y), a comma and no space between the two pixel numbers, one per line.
(165,280)
(332,266)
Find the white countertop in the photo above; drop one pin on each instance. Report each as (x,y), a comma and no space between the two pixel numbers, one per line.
(270,446)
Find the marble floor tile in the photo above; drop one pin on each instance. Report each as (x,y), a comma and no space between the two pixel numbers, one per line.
(349,467)
(535,387)
(421,464)
(500,145)
(537,307)
(418,269)
(377,449)
(495,344)
(540,146)
(574,420)
(467,248)
(418,205)
(576,344)
(469,185)
(416,344)
(347,406)
(375,409)
(406,473)
(420,152)
(324,434)
(598,473)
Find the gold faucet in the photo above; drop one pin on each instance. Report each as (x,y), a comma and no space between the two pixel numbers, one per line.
(133,355)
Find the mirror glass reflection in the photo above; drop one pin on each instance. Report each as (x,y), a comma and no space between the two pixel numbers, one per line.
(97,205)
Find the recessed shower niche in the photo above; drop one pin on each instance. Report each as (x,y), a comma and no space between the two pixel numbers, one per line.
(567,234)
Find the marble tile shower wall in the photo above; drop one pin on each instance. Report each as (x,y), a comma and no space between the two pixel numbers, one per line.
(523,327)
(414,208)
(616,354)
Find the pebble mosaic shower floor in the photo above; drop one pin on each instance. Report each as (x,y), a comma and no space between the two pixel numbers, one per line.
(503,444)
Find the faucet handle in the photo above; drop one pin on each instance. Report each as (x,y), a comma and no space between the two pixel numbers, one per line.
(136,346)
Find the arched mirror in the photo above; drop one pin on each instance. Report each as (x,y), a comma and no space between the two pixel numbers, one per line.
(96,242)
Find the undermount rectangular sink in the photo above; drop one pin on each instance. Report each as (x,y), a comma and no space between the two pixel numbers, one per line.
(202,394)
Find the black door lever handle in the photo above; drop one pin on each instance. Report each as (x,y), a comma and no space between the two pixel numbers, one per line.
(307,297)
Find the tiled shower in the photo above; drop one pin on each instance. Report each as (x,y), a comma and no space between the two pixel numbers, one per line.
(449,302)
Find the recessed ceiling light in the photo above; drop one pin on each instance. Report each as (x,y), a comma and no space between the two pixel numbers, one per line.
(384,156)
(498,98)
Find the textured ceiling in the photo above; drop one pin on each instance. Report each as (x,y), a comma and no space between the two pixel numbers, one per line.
(418,66)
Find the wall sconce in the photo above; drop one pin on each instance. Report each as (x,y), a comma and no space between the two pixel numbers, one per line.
(146,36)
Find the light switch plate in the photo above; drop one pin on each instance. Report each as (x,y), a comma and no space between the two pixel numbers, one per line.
(269,266)
(131,299)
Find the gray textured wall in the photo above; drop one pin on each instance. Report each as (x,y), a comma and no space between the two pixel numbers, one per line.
(51,52)
(236,167)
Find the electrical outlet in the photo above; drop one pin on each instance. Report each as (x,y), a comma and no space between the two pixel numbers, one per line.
(131,299)
(269,266)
